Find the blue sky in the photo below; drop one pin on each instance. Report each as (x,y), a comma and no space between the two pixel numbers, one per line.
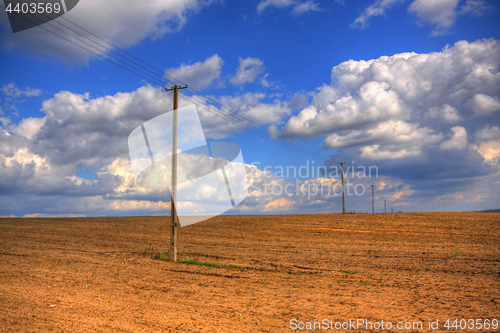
(409,87)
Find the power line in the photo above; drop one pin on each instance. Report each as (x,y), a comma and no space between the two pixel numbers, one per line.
(229,115)
(257,128)
(265,137)
(158,70)
(241,118)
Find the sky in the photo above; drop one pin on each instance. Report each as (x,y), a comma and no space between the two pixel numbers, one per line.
(405,92)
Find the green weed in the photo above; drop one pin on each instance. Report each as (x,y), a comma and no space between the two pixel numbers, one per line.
(209,264)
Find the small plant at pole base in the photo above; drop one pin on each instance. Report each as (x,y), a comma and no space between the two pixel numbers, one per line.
(162,256)
(190,261)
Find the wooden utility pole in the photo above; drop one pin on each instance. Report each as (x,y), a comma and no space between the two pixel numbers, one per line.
(173,189)
(342,176)
(385,206)
(373,200)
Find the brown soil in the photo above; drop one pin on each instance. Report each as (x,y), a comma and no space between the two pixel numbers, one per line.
(92,274)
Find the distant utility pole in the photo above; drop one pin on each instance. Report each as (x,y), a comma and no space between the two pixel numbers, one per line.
(373,200)
(173,190)
(342,175)
(385,206)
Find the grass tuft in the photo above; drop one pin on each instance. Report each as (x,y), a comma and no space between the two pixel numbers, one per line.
(190,261)
(162,256)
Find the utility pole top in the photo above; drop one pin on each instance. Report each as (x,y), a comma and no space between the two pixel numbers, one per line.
(176,87)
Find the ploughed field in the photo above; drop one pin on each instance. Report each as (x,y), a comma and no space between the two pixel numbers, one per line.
(97,274)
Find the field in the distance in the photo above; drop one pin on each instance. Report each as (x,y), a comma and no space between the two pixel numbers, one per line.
(91,274)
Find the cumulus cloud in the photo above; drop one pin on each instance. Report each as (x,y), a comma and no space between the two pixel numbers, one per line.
(488,144)
(43,156)
(375,102)
(458,139)
(122,25)
(490,151)
(392,133)
(446,113)
(248,70)
(33,185)
(387,107)
(374,152)
(91,130)
(482,104)
(299,7)
(488,133)
(249,106)
(295,190)
(378,8)
(199,75)
(298,102)
(28,127)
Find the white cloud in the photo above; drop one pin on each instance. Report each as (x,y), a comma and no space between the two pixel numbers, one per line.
(482,104)
(488,144)
(249,106)
(299,7)
(474,7)
(488,133)
(248,71)
(392,133)
(376,9)
(298,102)
(29,127)
(199,75)
(365,94)
(441,13)
(78,130)
(122,24)
(375,102)
(264,82)
(304,7)
(11,90)
(375,153)
(457,141)
(366,98)
(490,151)
(42,156)
(39,161)
(274,3)
(447,113)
